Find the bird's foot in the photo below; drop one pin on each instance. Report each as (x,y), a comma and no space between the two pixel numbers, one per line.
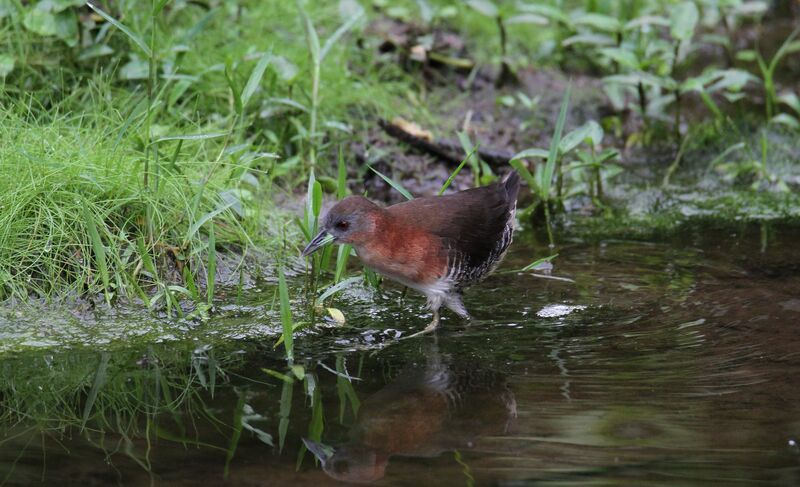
(432,326)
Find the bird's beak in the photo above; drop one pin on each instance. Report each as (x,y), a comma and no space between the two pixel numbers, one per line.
(322,239)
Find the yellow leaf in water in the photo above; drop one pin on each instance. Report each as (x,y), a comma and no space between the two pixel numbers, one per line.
(337,316)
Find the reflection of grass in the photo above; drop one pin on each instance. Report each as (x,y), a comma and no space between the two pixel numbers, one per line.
(120,402)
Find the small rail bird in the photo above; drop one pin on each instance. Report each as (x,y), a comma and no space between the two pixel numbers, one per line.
(438,245)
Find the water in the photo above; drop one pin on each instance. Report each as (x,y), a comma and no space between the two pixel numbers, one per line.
(664,363)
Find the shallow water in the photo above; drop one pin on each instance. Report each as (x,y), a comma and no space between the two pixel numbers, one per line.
(674,362)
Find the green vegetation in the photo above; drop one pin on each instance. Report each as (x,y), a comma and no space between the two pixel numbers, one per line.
(150,153)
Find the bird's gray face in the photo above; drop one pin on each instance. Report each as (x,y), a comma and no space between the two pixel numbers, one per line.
(350,463)
(350,221)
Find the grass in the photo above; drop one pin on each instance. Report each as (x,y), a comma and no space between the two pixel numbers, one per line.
(157,140)
(158,153)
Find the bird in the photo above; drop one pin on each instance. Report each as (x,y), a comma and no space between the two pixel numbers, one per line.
(437,245)
(431,407)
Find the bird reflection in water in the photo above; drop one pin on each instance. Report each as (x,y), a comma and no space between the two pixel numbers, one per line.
(427,410)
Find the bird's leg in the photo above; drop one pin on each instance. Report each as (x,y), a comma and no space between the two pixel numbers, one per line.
(431,326)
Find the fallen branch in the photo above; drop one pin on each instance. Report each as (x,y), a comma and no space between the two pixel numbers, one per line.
(446,150)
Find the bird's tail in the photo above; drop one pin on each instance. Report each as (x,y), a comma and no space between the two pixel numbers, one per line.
(511,184)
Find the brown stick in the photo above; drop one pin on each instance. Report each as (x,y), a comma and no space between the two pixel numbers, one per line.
(445,150)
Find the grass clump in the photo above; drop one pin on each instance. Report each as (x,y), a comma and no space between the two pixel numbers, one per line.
(76,220)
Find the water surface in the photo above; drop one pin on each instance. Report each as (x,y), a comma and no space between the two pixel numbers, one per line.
(663,363)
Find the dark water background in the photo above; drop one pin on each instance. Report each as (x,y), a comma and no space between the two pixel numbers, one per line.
(664,363)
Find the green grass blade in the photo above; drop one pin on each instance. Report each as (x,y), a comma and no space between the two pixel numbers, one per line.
(316,200)
(255,78)
(286,315)
(394,184)
(204,219)
(237,434)
(341,180)
(212,263)
(537,262)
(337,287)
(308,214)
(341,262)
(473,159)
(213,135)
(119,25)
(99,380)
(312,39)
(285,412)
(334,38)
(547,180)
(97,247)
(238,107)
(455,173)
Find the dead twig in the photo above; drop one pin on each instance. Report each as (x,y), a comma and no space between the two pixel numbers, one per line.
(445,150)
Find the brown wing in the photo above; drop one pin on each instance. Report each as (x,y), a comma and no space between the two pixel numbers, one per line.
(469,222)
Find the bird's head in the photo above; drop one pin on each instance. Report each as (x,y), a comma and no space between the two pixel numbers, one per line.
(350,221)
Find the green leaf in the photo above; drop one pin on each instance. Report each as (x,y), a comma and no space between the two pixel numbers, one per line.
(455,172)
(159,6)
(286,315)
(787,120)
(212,263)
(67,27)
(747,55)
(316,202)
(547,174)
(532,19)
(592,133)
(255,78)
(312,39)
(394,184)
(751,9)
(40,22)
(204,219)
(342,256)
(95,51)
(591,39)
(732,80)
(341,180)
(484,7)
(134,69)
(791,100)
(338,287)
(530,153)
(334,38)
(683,21)
(604,23)
(99,381)
(6,65)
(645,21)
(56,6)
(234,87)
(533,265)
(99,250)
(623,57)
(119,25)
(192,137)
(283,67)
(546,11)
(525,173)
(576,137)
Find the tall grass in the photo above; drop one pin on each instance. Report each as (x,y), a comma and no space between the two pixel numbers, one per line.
(169,142)
(71,215)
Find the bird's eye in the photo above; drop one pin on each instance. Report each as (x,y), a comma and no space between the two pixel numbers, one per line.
(342,225)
